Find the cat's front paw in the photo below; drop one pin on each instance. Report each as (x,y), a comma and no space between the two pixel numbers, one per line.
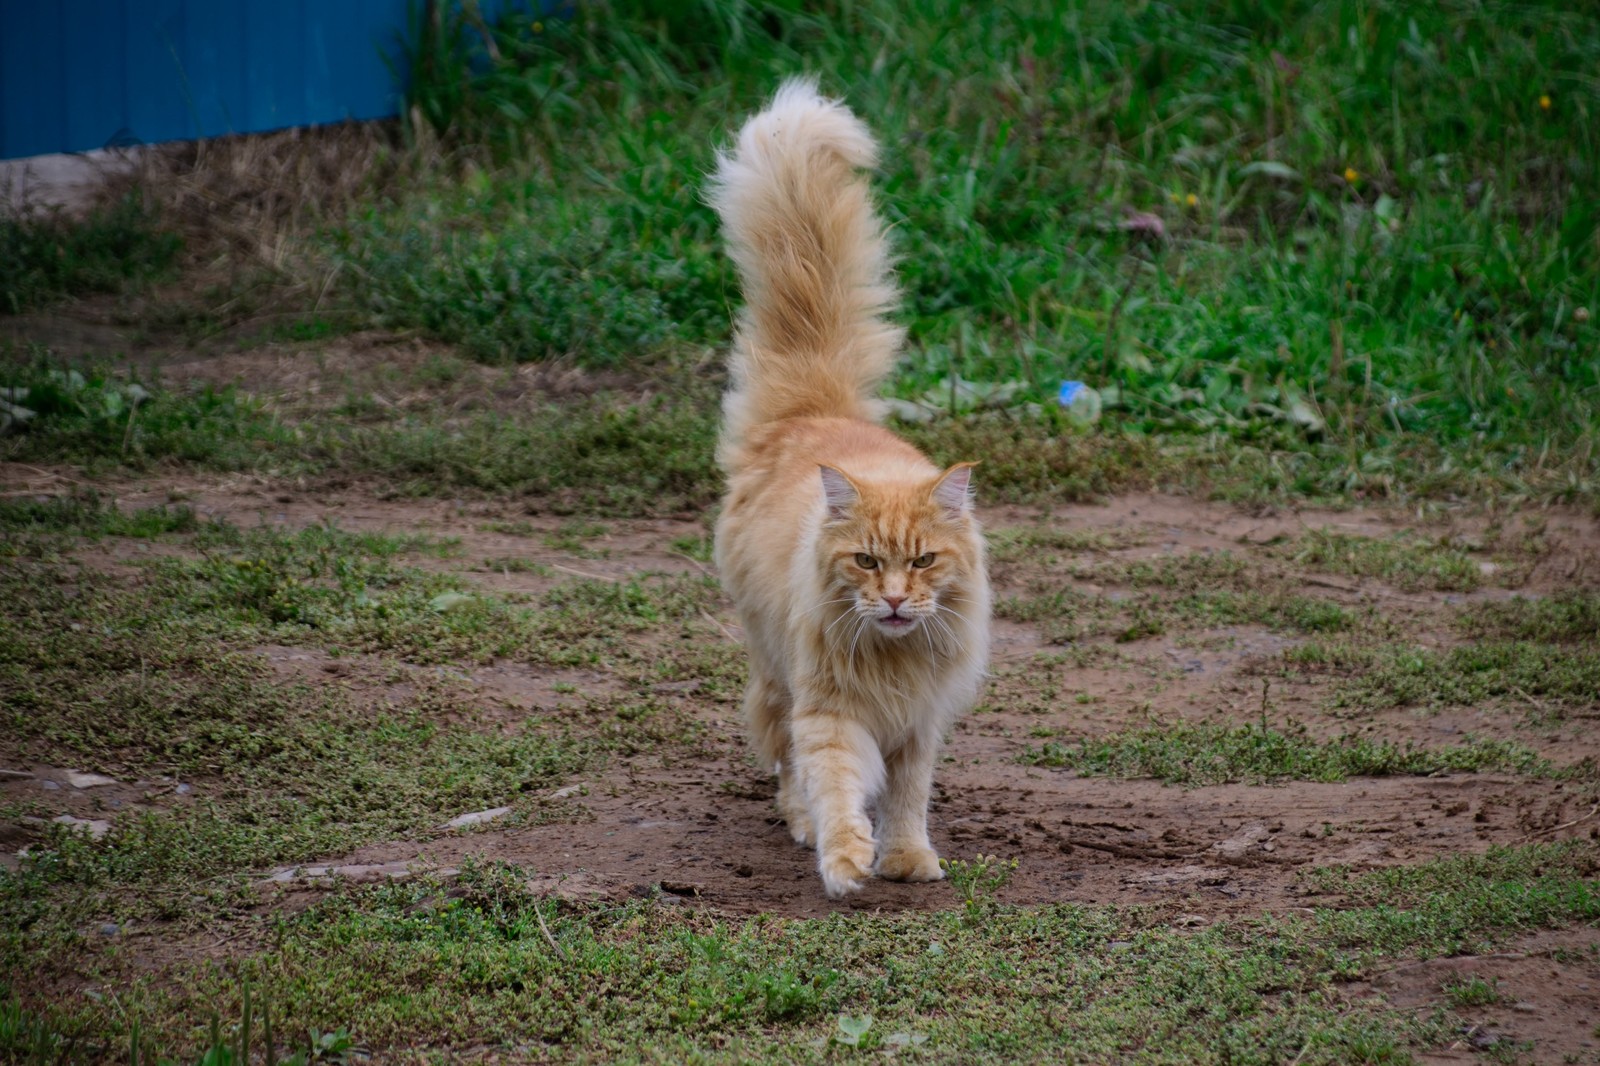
(911,864)
(845,866)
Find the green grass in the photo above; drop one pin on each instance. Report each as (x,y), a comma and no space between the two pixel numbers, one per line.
(1428,298)
(48,257)
(1385,283)
(1568,617)
(1538,677)
(1407,563)
(426,964)
(284,772)
(1447,906)
(90,516)
(100,419)
(1186,753)
(1172,593)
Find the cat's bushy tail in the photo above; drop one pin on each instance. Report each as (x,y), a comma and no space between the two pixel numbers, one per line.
(812,340)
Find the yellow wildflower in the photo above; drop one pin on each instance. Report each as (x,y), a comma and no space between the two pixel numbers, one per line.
(1544,102)
(1191,199)
(1351,174)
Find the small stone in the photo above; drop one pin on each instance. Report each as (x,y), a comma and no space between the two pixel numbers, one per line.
(564,793)
(1526,1008)
(744,871)
(97,827)
(80,780)
(183,789)
(48,785)
(110,929)
(1120,945)
(477,817)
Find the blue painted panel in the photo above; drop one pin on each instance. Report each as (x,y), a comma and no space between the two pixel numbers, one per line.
(30,65)
(80,74)
(94,67)
(157,92)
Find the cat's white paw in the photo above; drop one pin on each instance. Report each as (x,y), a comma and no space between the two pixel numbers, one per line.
(911,864)
(846,865)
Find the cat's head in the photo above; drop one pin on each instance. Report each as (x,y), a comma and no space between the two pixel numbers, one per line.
(896,551)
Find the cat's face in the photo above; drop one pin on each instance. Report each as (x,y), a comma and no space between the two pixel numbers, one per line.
(895,553)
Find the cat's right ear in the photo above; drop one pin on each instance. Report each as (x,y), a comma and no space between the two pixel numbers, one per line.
(838,493)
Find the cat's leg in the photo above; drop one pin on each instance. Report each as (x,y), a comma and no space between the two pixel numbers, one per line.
(841,771)
(766,709)
(903,815)
(792,805)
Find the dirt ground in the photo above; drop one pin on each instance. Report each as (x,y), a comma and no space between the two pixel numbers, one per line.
(705,829)
(698,825)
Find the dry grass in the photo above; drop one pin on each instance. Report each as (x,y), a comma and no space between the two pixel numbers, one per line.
(255,197)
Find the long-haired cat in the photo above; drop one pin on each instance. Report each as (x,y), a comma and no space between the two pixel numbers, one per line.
(856,565)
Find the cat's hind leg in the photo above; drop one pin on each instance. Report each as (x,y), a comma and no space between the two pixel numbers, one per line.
(766,709)
(792,805)
(907,854)
(840,770)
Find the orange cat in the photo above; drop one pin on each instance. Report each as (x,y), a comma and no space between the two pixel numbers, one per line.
(855,564)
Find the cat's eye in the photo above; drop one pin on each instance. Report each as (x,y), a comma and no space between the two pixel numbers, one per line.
(923,561)
(865,561)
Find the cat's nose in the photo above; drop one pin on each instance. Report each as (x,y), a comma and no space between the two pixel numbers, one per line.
(894,602)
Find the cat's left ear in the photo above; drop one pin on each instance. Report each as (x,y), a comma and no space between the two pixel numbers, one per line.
(953,490)
(838,492)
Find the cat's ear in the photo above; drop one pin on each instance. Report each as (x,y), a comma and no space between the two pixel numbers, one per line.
(953,490)
(838,492)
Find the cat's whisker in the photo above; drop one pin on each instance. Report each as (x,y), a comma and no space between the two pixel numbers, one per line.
(934,619)
(829,603)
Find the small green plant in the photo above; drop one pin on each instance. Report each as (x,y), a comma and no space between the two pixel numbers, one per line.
(573,538)
(1472,991)
(696,547)
(977,881)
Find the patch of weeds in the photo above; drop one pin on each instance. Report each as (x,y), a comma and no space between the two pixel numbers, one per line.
(93,416)
(1471,991)
(48,257)
(1568,617)
(1344,657)
(1535,675)
(485,959)
(286,771)
(697,547)
(1460,904)
(1044,544)
(1187,753)
(1407,563)
(321,585)
(88,515)
(1186,572)
(573,538)
(1173,594)
(1031,459)
(583,457)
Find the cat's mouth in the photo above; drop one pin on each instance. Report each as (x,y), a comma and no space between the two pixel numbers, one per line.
(896,623)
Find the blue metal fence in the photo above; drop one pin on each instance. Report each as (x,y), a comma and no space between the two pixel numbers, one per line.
(80,74)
